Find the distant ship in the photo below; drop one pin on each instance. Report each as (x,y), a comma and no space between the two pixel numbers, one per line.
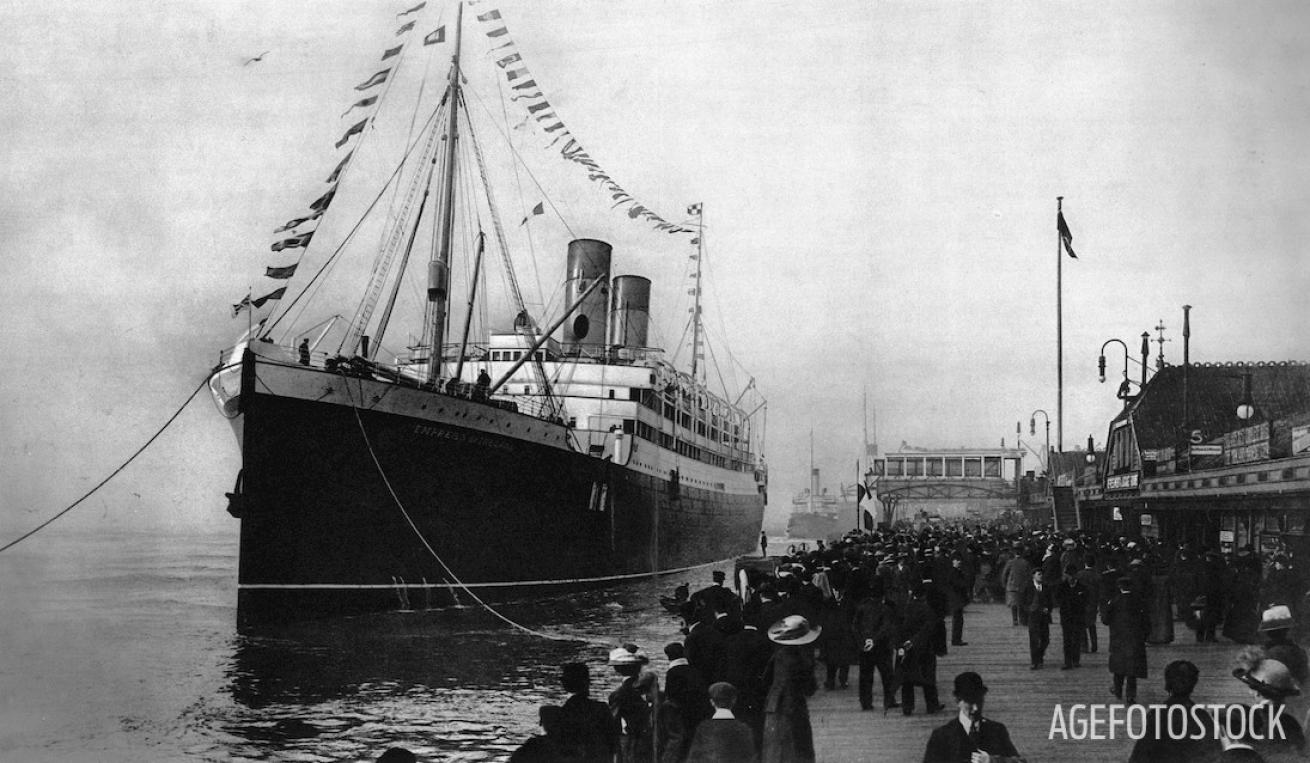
(818,514)
(505,463)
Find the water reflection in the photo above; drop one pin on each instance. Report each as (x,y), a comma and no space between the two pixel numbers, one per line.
(455,684)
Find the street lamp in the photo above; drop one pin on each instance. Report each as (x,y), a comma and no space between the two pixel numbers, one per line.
(1125,387)
(1032,430)
(1246,408)
(1091,451)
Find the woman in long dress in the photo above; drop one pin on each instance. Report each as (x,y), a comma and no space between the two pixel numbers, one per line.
(790,678)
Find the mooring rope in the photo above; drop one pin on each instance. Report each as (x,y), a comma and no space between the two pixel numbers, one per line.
(419,533)
(112,474)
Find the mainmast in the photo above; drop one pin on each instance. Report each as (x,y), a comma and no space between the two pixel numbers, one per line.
(695,310)
(439,267)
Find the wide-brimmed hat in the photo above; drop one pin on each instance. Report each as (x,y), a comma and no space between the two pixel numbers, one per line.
(969,686)
(793,630)
(1276,618)
(628,654)
(1269,678)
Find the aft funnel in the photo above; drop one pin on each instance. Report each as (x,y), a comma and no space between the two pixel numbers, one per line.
(629,312)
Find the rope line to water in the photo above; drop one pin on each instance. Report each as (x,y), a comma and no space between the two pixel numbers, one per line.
(112,474)
(408,519)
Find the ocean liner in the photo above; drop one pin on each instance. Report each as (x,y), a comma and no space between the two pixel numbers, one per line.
(485,463)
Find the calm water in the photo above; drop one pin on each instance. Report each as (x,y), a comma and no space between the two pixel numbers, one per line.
(124,647)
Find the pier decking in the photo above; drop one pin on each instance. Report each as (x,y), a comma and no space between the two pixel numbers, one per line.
(1023,699)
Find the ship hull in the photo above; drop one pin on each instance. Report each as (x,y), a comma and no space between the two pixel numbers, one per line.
(349,504)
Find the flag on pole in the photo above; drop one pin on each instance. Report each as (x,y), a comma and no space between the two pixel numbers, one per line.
(355,129)
(275,294)
(435,36)
(1065,236)
(492,15)
(336,173)
(540,209)
(291,224)
(376,79)
(321,203)
(694,209)
(389,52)
(408,25)
(362,103)
(415,9)
(294,241)
(280,273)
(242,305)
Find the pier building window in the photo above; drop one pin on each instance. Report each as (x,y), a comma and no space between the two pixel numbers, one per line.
(935,468)
(992,466)
(954,467)
(895,467)
(973,467)
(914,467)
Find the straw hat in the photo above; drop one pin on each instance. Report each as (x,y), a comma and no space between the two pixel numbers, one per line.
(1269,678)
(1276,618)
(628,654)
(793,630)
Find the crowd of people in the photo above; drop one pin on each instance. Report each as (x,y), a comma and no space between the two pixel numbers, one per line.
(736,686)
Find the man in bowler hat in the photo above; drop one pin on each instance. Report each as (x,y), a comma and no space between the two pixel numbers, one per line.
(969,736)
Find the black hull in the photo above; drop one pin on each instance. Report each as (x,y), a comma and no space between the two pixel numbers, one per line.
(321,534)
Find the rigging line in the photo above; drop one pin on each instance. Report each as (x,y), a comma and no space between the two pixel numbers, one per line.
(399,166)
(518,185)
(518,158)
(112,474)
(717,371)
(718,314)
(419,533)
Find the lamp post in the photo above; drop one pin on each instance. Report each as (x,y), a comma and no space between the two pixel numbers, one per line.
(1246,409)
(1032,430)
(1125,387)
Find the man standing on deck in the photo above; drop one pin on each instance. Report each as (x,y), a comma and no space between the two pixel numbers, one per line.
(764,543)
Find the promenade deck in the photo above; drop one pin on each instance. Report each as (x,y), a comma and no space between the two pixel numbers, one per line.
(1023,699)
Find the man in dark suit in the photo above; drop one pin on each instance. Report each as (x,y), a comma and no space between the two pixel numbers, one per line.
(722,738)
(969,736)
(746,654)
(916,655)
(587,726)
(876,624)
(1129,624)
(1037,602)
(1072,598)
(686,687)
(716,597)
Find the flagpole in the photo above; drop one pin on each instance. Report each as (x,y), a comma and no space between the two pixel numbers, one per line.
(1059,331)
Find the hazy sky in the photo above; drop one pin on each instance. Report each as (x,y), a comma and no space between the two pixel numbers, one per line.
(879,181)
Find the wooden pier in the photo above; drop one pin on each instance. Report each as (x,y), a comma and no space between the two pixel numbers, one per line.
(1023,699)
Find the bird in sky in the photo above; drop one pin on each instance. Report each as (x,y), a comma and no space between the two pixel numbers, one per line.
(259,57)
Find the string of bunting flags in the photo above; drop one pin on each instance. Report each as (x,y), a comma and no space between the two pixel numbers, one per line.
(543,116)
(300,239)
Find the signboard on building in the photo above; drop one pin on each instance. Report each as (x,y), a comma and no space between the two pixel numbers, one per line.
(1226,536)
(1248,444)
(1146,520)
(1122,481)
(1116,514)
(1150,455)
(1301,439)
(1207,450)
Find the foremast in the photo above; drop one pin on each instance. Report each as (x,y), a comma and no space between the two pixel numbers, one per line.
(439,267)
